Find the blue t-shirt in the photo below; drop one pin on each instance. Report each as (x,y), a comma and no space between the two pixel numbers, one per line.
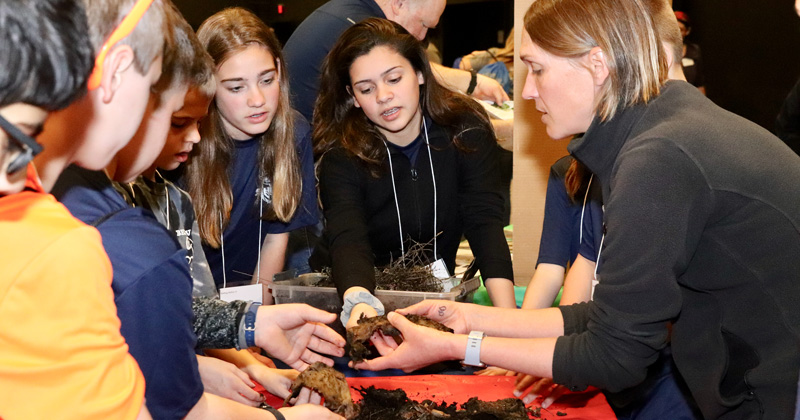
(561,230)
(311,42)
(241,237)
(593,225)
(152,289)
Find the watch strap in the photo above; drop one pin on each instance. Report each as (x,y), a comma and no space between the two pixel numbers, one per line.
(473,82)
(274,411)
(250,324)
(472,357)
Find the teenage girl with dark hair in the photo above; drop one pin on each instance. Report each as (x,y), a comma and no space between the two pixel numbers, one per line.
(403,160)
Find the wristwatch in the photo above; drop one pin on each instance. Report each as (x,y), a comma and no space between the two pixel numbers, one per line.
(473,82)
(472,357)
(250,324)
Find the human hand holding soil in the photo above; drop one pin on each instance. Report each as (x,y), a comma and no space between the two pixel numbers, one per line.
(421,346)
(449,313)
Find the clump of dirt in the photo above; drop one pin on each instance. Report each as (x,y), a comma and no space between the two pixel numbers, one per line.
(358,336)
(329,383)
(395,405)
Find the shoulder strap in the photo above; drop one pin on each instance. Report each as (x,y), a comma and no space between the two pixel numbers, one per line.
(105,217)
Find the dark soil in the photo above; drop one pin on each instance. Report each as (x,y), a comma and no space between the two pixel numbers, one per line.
(394,405)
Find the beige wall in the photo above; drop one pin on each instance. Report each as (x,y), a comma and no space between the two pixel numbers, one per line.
(534,152)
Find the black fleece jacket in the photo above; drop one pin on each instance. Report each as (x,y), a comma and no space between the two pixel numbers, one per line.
(702,212)
(361,229)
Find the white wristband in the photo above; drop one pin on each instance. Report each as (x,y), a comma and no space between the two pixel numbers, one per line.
(472,357)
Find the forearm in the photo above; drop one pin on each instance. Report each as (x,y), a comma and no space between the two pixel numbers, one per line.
(216,322)
(453,79)
(544,286)
(504,131)
(501,292)
(239,358)
(578,283)
(273,253)
(516,323)
(533,356)
(214,407)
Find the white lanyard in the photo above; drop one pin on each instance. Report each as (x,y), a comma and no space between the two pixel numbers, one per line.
(602,238)
(222,242)
(435,204)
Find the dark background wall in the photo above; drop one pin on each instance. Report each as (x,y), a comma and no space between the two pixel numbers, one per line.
(751,51)
(465,26)
(751,48)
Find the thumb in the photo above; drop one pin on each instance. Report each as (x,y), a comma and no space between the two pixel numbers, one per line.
(398,321)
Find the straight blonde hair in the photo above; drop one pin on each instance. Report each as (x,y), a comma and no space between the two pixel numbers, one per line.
(224,34)
(624,31)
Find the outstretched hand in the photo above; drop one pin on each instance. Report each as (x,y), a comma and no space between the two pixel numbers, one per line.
(421,346)
(295,333)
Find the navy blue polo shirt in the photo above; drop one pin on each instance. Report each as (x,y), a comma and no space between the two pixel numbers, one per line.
(152,289)
(241,236)
(313,39)
(561,230)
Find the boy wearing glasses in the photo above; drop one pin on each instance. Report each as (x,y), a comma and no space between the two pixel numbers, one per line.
(61,352)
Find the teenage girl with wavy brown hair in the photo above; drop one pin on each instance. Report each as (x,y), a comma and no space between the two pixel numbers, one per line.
(403,160)
(251,178)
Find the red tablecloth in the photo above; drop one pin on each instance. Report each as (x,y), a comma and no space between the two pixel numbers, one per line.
(459,388)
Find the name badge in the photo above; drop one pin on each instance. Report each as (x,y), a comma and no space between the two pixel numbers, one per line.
(439,270)
(253,292)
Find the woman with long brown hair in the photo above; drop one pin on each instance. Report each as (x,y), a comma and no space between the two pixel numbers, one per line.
(402,161)
(251,178)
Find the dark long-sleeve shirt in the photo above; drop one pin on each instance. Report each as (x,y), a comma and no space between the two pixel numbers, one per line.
(702,215)
(361,216)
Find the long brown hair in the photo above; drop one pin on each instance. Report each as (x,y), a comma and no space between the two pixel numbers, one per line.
(338,122)
(576,180)
(223,35)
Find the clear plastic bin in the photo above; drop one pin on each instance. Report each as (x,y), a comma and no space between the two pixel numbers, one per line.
(301,289)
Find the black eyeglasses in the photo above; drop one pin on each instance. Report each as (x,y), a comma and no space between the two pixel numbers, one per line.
(29,147)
